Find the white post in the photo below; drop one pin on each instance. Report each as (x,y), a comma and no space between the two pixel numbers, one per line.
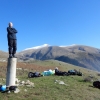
(11,72)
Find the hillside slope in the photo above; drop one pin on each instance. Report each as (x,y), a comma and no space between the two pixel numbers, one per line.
(47,87)
(3,55)
(84,56)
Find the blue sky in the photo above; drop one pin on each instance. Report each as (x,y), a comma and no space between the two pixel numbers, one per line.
(53,22)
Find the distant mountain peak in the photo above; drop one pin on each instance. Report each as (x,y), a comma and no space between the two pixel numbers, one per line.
(38,47)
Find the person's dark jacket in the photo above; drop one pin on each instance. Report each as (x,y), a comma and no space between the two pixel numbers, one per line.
(11,33)
(57,71)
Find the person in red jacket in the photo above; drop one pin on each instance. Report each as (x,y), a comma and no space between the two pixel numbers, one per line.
(12,40)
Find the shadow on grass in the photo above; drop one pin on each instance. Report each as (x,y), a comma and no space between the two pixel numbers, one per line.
(91,86)
(82,81)
(4,91)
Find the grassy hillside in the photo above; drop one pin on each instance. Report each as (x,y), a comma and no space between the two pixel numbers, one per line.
(46,88)
(61,65)
(3,56)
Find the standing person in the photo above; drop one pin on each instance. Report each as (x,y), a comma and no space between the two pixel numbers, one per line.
(12,40)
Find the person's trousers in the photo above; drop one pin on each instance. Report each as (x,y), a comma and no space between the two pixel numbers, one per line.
(12,43)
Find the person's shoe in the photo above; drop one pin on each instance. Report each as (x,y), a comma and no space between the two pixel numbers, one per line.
(10,56)
(14,56)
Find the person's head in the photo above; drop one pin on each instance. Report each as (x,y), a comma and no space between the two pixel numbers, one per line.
(56,68)
(10,24)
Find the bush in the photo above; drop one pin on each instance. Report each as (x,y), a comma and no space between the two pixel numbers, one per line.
(88,79)
(98,74)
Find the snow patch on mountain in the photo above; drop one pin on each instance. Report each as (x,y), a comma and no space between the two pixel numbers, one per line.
(46,45)
(68,45)
(38,47)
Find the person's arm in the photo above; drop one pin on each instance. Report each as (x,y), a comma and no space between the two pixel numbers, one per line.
(11,30)
(14,30)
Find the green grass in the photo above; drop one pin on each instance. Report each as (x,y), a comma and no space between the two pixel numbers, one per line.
(63,66)
(46,88)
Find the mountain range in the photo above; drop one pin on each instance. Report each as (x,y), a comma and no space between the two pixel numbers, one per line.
(79,55)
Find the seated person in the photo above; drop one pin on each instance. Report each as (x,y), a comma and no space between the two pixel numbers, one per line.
(60,73)
(56,70)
